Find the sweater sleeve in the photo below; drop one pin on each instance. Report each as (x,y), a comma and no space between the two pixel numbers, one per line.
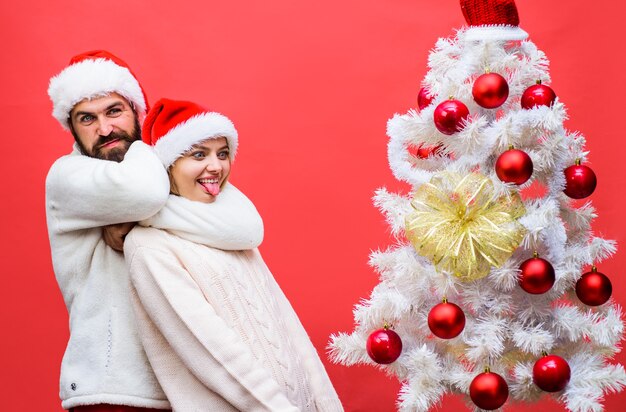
(83,192)
(324,394)
(203,341)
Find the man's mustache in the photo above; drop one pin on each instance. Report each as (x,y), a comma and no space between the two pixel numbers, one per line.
(102,140)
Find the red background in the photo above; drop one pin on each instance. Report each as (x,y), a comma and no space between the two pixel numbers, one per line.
(310,86)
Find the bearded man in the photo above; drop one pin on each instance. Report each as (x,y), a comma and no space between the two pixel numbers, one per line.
(109,180)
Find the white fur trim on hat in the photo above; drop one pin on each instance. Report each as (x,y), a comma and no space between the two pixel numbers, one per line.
(195,130)
(89,79)
(495,33)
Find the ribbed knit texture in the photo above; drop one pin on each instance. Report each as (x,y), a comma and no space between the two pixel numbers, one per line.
(219,332)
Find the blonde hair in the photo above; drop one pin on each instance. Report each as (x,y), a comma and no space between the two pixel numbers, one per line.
(173,188)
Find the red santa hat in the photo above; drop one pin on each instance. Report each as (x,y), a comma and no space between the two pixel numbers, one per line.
(94,74)
(492,20)
(173,127)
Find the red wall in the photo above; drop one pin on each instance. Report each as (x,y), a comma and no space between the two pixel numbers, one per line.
(310,86)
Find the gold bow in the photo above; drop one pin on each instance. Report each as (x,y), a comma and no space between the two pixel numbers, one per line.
(463,226)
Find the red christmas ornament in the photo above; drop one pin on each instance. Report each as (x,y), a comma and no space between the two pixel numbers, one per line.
(551,373)
(384,346)
(446,320)
(537,275)
(514,166)
(490,90)
(424,152)
(449,116)
(424,98)
(538,95)
(594,288)
(489,391)
(580,181)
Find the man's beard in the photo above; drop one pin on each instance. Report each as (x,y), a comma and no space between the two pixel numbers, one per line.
(115,154)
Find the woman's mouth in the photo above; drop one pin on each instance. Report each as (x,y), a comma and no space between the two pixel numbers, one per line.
(211,185)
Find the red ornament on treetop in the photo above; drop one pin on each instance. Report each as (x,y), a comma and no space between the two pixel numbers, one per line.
(551,373)
(489,390)
(537,95)
(446,320)
(580,181)
(594,288)
(490,12)
(449,116)
(490,90)
(492,20)
(384,346)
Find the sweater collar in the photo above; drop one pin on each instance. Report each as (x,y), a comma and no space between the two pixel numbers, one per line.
(230,223)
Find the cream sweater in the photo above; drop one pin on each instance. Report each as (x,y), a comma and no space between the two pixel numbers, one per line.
(104,361)
(219,332)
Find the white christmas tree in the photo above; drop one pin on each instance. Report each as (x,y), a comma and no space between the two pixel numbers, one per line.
(484,294)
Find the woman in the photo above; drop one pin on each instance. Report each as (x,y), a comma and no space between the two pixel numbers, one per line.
(217,329)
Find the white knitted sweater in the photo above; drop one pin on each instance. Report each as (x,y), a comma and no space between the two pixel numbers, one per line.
(104,361)
(219,332)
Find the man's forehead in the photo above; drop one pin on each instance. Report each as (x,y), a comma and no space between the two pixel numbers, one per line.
(99,103)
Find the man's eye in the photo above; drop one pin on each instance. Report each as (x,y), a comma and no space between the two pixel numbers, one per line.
(86,118)
(114,112)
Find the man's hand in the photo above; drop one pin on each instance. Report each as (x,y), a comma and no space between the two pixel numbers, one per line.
(114,234)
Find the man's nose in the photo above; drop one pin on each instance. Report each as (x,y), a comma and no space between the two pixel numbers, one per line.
(105,126)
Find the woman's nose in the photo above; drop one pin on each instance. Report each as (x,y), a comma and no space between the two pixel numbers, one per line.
(213,164)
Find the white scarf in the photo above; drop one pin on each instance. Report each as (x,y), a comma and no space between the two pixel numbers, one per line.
(231,222)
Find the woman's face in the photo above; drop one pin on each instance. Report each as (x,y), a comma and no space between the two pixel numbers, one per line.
(201,172)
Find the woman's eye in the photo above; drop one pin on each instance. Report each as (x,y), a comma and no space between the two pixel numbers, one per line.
(198,155)
(222,155)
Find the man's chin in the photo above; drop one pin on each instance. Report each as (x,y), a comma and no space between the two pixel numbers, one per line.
(115,154)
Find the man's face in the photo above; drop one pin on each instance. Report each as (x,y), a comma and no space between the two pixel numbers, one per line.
(105,127)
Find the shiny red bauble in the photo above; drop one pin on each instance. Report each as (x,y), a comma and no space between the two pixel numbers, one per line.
(449,116)
(446,320)
(424,98)
(384,346)
(536,275)
(580,181)
(424,152)
(489,391)
(538,95)
(514,166)
(490,90)
(594,288)
(551,373)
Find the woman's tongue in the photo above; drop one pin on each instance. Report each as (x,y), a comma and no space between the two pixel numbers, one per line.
(211,188)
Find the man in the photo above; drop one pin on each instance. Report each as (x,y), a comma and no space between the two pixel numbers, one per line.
(110,178)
